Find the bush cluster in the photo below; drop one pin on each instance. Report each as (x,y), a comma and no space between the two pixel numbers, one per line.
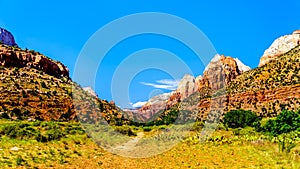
(241,118)
(39,131)
(126,130)
(285,122)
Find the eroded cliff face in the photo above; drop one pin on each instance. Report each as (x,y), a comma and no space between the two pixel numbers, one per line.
(7,38)
(227,84)
(12,56)
(280,46)
(265,90)
(220,71)
(16,57)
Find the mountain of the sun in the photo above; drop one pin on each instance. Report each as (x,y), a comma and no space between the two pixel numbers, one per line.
(266,90)
(34,86)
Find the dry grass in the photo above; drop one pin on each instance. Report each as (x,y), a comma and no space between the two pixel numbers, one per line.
(78,151)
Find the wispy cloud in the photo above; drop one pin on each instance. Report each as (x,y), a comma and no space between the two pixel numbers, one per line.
(138,104)
(168,84)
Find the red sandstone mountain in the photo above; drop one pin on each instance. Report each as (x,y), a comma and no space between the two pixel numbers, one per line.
(220,71)
(34,86)
(228,85)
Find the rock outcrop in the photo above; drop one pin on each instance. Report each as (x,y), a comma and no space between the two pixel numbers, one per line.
(16,57)
(280,46)
(186,86)
(265,90)
(7,38)
(90,91)
(220,71)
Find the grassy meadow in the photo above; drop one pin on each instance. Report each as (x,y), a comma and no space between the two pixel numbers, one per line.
(39,144)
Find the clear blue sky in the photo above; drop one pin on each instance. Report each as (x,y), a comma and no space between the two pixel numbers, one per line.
(59,29)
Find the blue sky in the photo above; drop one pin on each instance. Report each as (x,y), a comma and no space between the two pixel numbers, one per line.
(59,29)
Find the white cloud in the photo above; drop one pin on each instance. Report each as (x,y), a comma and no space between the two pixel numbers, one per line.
(168,84)
(138,104)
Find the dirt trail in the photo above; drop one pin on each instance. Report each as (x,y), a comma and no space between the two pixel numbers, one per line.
(129,146)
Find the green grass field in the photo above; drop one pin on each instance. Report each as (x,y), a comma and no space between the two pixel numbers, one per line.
(233,148)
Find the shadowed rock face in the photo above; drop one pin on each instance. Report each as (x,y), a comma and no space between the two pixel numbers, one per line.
(280,46)
(7,38)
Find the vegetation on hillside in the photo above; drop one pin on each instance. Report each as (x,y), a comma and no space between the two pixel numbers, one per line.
(283,71)
(240,118)
(31,94)
(39,128)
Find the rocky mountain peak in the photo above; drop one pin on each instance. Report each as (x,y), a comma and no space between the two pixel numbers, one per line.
(220,71)
(7,38)
(186,86)
(280,46)
(242,67)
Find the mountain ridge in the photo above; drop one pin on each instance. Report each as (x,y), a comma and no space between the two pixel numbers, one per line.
(265,90)
(220,66)
(35,87)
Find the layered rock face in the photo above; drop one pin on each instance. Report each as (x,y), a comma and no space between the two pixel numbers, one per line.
(220,71)
(16,57)
(280,46)
(266,90)
(12,56)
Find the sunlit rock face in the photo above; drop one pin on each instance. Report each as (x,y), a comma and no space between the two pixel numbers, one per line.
(220,71)
(280,46)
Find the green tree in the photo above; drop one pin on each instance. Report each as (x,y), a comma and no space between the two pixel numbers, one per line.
(240,118)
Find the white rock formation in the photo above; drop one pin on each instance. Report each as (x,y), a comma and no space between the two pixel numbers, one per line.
(242,67)
(280,46)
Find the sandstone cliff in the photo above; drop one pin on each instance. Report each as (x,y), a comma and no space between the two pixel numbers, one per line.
(227,85)
(16,57)
(12,56)
(265,90)
(220,71)
(34,86)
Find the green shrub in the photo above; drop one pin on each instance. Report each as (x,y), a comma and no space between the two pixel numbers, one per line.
(247,131)
(40,131)
(53,134)
(20,160)
(4,115)
(147,128)
(126,130)
(240,118)
(19,131)
(286,143)
(43,84)
(285,122)
(198,126)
